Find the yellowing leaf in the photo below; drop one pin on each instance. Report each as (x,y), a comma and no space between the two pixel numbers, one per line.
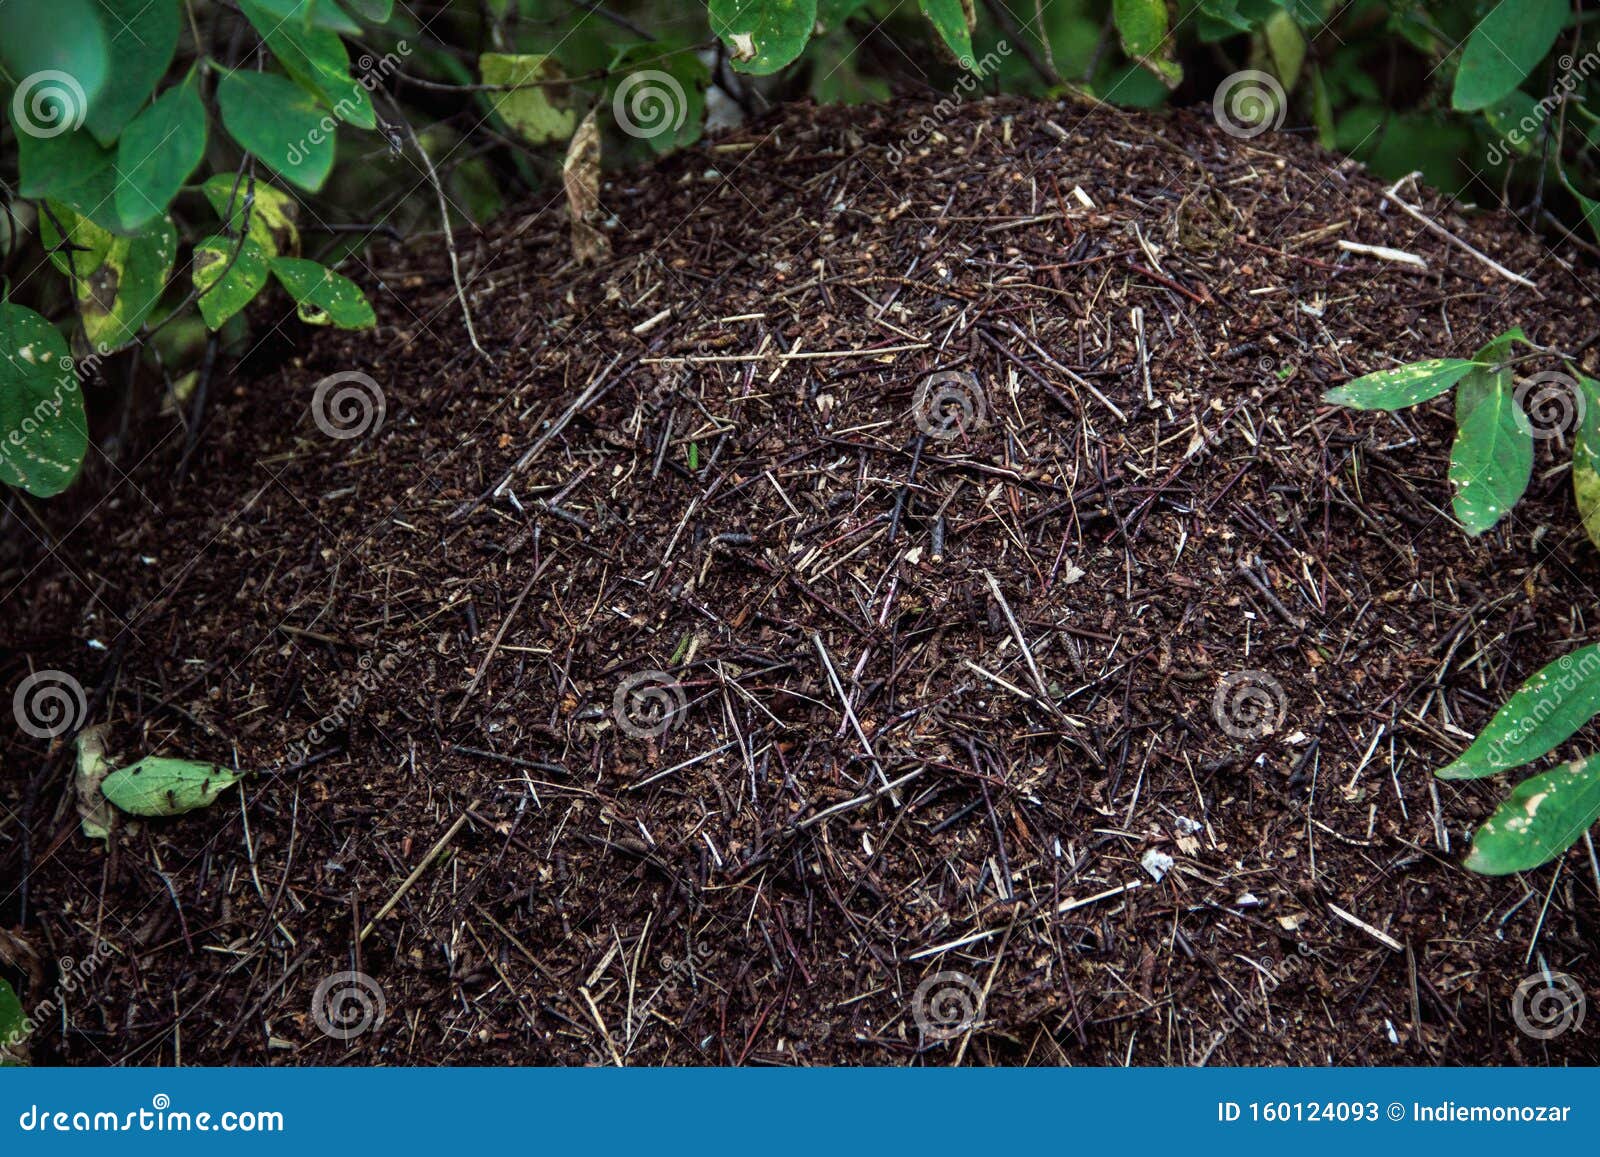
(1586,456)
(537,114)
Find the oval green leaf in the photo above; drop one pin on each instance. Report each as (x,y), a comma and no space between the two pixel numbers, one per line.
(271,211)
(1586,455)
(1492,458)
(116,298)
(323,297)
(313,55)
(1401,387)
(143,35)
(953,20)
(227,280)
(166,787)
(1542,817)
(157,152)
(764,35)
(1503,49)
(43,433)
(534,113)
(280,123)
(1543,714)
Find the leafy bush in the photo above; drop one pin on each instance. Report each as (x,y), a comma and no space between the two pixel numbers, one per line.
(124,114)
(1490,465)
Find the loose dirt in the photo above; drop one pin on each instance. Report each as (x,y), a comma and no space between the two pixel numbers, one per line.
(944,666)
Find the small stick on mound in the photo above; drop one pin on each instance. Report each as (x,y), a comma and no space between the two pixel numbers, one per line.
(1390,194)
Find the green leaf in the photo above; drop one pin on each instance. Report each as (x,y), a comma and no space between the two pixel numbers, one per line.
(314,56)
(43,433)
(1503,49)
(1543,714)
(1542,817)
(1142,27)
(1287,46)
(1141,24)
(309,14)
(1586,455)
(831,14)
(57,55)
(1499,350)
(117,297)
(953,20)
(532,113)
(764,35)
(376,11)
(82,249)
(157,152)
(227,281)
(143,35)
(280,123)
(323,296)
(117,280)
(1492,458)
(1398,388)
(1516,118)
(13,1021)
(156,786)
(272,212)
(59,165)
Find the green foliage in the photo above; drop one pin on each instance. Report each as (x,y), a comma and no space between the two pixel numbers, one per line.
(323,297)
(1546,813)
(157,786)
(530,111)
(1492,458)
(763,35)
(41,408)
(13,1018)
(124,110)
(1504,48)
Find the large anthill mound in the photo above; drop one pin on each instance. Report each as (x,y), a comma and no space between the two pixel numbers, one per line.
(951,666)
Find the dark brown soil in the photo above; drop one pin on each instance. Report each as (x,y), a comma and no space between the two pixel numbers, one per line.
(740,497)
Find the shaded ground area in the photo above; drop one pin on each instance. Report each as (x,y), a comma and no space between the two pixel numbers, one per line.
(936,692)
